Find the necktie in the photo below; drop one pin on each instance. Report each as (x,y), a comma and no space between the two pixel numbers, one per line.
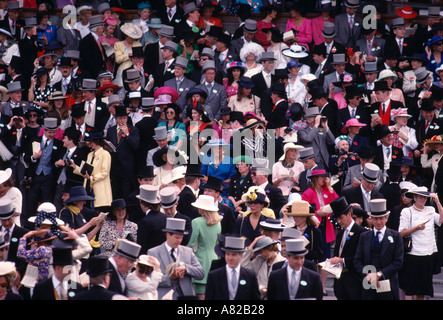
(178,84)
(377,239)
(384,107)
(388,153)
(317,73)
(268,80)
(65,85)
(426,126)
(63,292)
(119,135)
(209,87)
(169,13)
(13,27)
(166,66)
(46,143)
(234,281)
(369,47)
(293,285)
(400,45)
(366,199)
(351,23)
(6,237)
(353,113)
(172,255)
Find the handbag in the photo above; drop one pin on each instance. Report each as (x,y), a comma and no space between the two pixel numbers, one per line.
(407,240)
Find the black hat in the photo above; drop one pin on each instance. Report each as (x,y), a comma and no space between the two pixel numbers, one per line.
(278,88)
(318,93)
(194,170)
(72,134)
(381,85)
(418,57)
(77,110)
(62,256)
(78,193)
(118,203)
(137,52)
(280,74)
(98,265)
(215,31)
(359,212)
(353,91)
(339,206)
(394,171)
(224,38)
(319,50)
(366,152)
(145,172)
(236,115)
(381,130)
(246,82)
(427,104)
(15,63)
(214,183)
(65,62)
(195,90)
(120,111)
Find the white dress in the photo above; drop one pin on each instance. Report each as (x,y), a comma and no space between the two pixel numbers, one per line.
(143,290)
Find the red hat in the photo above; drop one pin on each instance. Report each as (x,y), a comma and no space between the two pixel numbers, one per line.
(107,85)
(406,12)
(167,90)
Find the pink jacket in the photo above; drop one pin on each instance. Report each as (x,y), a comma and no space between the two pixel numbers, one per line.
(317,27)
(311,196)
(304,31)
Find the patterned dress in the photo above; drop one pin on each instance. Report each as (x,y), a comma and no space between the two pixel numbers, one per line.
(109,235)
(39,257)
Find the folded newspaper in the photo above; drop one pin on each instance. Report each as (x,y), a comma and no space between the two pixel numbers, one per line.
(334,269)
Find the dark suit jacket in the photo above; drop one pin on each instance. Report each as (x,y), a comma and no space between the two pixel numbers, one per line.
(186,197)
(20,264)
(277,117)
(227,223)
(95,293)
(68,39)
(44,290)
(354,195)
(276,198)
(101,114)
(185,86)
(435,128)
(115,284)
(391,258)
(217,285)
(92,60)
(350,246)
(149,233)
(146,132)
(160,75)
(188,227)
(361,114)
(175,21)
(19,24)
(260,83)
(58,152)
(77,157)
(152,57)
(397,156)
(278,287)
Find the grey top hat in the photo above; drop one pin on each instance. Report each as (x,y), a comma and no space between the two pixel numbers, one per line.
(14,86)
(73,54)
(338,58)
(50,123)
(398,22)
(168,197)
(103,7)
(422,74)
(181,62)
(6,209)
(148,103)
(370,67)
(266,56)
(13,5)
(166,31)
(132,75)
(296,247)
(175,225)
(149,194)
(263,243)
(234,244)
(128,249)
(260,164)
(30,22)
(209,64)
(352,3)
(306,153)
(189,7)
(290,233)
(434,12)
(160,133)
(370,172)
(114,99)
(208,52)
(95,21)
(171,46)
(89,84)
(378,208)
(312,112)
(250,26)
(328,30)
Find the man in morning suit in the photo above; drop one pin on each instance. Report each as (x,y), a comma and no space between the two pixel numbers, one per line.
(295,281)
(348,286)
(385,105)
(96,111)
(381,248)
(264,79)
(277,116)
(188,267)
(386,153)
(152,51)
(171,14)
(126,140)
(165,71)
(180,83)
(232,282)
(146,130)
(348,25)
(189,192)
(92,53)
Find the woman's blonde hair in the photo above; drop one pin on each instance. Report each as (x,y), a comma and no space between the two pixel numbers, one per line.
(212,217)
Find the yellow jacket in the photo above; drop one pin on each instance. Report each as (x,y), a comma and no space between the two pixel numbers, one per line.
(122,58)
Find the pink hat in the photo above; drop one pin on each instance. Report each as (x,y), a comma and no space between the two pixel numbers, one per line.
(352,123)
(162,100)
(111,21)
(167,91)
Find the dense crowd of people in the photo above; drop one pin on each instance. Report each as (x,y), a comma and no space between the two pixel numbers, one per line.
(166,158)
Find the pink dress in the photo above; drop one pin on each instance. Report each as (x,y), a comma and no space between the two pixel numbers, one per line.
(317,27)
(230,90)
(310,195)
(304,31)
(338,97)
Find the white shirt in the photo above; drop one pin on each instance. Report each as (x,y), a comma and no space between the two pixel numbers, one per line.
(386,158)
(367,195)
(229,276)
(267,77)
(173,10)
(297,280)
(57,285)
(90,117)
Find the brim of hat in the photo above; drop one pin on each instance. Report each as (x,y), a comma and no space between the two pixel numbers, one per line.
(292,54)
(196,205)
(43,240)
(145,263)
(406,16)
(169,205)
(271,227)
(5,216)
(99,273)
(377,214)
(344,211)
(157,201)
(254,124)
(59,221)
(166,35)
(296,253)
(6,244)
(265,203)
(264,246)
(79,198)
(300,214)
(175,231)
(58,98)
(232,250)
(410,194)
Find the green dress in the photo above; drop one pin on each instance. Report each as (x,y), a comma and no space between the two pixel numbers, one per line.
(203,240)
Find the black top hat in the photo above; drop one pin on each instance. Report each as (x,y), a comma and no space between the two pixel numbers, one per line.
(62,256)
(394,171)
(359,212)
(236,115)
(194,170)
(366,152)
(72,134)
(224,38)
(381,85)
(137,52)
(120,111)
(98,265)
(427,104)
(353,91)
(214,183)
(146,172)
(77,110)
(318,93)
(280,74)
(381,130)
(215,31)
(15,63)
(319,50)
(278,88)
(65,62)
(339,206)
(78,193)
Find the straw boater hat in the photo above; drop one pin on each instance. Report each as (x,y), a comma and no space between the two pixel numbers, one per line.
(433,141)
(378,208)
(205,202)
(300,208)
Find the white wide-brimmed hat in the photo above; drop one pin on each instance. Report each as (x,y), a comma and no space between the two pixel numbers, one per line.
(205,202)
(5,175)
(132,30)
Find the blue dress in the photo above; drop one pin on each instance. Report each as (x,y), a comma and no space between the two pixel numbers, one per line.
(225,170)
(50,33)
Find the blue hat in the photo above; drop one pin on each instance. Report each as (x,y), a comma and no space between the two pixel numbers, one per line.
(144,5)
(293,63)
(78,193)
(433,40)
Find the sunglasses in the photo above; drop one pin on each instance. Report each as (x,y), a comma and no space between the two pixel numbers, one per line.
(3,285)
(33,116)
(203,59)
(169,112)
(144,270)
